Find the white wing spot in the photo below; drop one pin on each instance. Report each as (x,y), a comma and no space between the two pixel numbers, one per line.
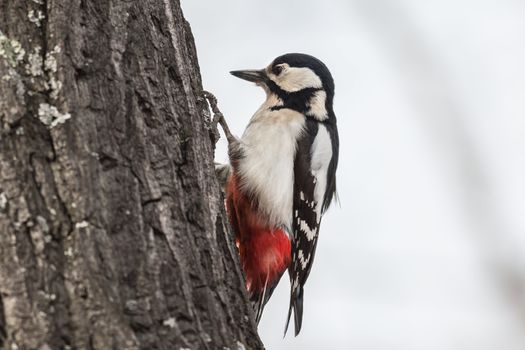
(310,233)
(321,157)
(295,283)
(302,260)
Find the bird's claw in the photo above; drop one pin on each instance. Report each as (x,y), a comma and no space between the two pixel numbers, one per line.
(218,118)
(217,115)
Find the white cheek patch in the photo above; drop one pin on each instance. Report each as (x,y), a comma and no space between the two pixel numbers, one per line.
(317,106)
(294,79)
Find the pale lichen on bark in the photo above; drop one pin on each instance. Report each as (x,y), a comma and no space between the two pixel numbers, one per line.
(11,50)
(36,17)
(50,116)
(41,72)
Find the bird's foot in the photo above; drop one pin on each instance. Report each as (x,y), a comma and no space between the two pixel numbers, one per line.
(218,118)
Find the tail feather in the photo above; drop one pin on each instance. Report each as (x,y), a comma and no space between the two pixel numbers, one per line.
(260,299)
(261,302)
(296,303)
(288,319)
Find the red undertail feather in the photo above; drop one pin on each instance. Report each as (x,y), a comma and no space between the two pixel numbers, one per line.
(265,251)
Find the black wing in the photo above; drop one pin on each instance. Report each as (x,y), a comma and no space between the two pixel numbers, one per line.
(307,210)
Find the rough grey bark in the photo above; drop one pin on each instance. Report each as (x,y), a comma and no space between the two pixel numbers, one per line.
(112,228)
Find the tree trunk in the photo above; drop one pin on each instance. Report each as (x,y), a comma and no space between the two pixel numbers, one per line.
(112,227)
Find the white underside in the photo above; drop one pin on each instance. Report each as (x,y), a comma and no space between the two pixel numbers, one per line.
(267,169)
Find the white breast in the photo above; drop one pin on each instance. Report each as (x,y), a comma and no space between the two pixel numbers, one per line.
(269,145)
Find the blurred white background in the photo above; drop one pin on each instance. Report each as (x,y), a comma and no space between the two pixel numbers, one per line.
(427,249)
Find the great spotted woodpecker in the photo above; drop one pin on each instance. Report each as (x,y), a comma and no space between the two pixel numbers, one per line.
(282,176)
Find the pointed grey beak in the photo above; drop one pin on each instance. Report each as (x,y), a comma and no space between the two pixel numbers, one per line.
(253,75)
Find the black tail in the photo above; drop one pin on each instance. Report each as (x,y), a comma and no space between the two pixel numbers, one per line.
(296,303)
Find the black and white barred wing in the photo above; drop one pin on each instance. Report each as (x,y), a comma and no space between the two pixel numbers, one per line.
(312,182)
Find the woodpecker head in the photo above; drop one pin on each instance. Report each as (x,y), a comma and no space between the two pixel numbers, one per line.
(296,81)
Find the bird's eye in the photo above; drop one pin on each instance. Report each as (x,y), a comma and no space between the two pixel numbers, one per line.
(277,70)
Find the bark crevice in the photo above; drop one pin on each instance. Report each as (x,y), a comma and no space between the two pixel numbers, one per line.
(2,323)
